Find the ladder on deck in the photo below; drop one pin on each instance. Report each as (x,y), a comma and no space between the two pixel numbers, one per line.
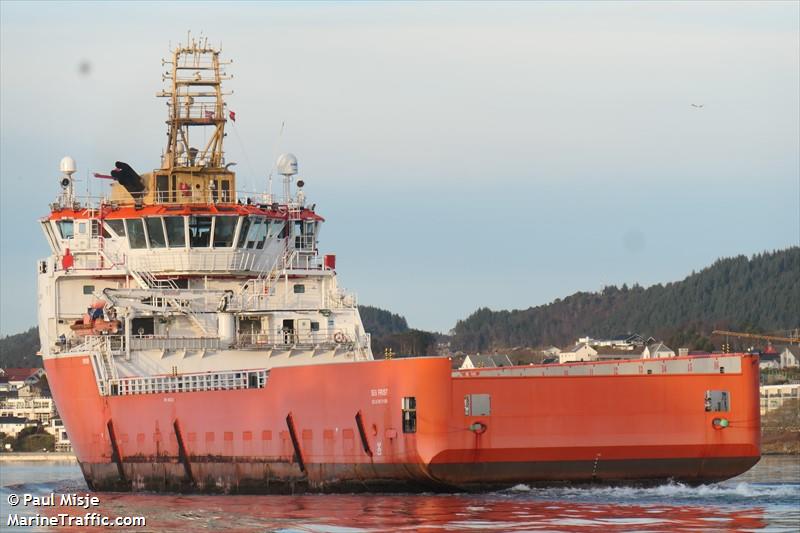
(254,290)
(148,281)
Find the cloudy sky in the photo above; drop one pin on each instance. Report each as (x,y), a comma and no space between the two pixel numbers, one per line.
(464,154)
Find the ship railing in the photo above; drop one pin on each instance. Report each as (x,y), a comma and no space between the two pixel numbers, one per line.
(114,344)
(282,338)
(255,300)
(303,261)
(153,342)
(189,382)
(169,196)
(181,261)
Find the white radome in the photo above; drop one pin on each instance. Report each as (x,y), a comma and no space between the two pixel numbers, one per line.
(67,165)
(287,164)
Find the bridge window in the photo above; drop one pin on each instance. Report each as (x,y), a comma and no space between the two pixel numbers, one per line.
(117,227)
(276,229)
(66,228)
(299,288)
(135,229)
(199,231)
(243,232)
(257,233)
(224,229)
(156,233)
(175,232)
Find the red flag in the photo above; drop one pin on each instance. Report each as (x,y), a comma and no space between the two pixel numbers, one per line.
(232,114)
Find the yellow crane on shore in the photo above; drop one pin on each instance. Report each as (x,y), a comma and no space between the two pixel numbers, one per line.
(795,339)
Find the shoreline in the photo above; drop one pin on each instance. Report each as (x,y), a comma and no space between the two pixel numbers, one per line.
(14,457)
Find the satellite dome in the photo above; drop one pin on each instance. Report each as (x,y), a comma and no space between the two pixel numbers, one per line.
(67,165)
(287,164)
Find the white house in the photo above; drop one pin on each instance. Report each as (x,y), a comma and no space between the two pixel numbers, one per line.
(769,361)
(38,409)
(773,396)
(56,428)
(485,361)
(579,352)
(790,357)
(551,351)
(12,425)
(658,350)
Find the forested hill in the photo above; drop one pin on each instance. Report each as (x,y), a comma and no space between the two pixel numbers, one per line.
(761,293)
(379,322)
(20,350)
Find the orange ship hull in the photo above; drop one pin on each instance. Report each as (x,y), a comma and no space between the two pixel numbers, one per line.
(340,427)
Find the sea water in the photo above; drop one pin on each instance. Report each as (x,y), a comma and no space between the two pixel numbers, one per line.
(765,498)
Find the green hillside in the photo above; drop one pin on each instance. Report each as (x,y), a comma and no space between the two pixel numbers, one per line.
(20,350)
(760,293)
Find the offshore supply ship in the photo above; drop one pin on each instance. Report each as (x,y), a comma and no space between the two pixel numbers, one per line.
(195,339)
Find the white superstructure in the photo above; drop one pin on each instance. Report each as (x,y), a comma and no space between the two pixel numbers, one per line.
(175,275)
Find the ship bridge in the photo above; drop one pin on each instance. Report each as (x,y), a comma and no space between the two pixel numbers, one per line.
(176,262)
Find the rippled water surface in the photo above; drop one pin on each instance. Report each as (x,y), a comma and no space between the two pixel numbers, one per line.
(766,498)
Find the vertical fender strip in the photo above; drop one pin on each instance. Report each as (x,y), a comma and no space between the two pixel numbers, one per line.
(298,455)
(183,457)
(362,433)
(116,456)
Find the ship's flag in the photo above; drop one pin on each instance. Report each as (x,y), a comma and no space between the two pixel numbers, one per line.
(209,115)
(232,114)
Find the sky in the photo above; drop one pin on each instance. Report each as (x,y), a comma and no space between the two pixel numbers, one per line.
(464,155)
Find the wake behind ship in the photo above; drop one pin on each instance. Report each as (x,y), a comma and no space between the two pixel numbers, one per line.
(195,339)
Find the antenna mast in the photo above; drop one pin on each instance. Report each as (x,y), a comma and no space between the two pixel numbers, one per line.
(195,101)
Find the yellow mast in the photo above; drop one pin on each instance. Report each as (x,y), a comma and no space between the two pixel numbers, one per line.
(193,170)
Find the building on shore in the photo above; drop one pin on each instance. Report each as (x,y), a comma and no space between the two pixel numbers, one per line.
(657,350)
(25,401)
(10,426)
(790,357)
(37,409)
(579,352)
(485,361)
(774,396)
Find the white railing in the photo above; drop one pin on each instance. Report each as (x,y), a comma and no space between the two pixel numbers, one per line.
(152,342)
(282,339)
(79,202)
(195,382)
(304,261)
(199,260)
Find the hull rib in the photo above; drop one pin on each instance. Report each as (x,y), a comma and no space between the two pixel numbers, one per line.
(116,456)
(183,457)
(298,455)
(362,433)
